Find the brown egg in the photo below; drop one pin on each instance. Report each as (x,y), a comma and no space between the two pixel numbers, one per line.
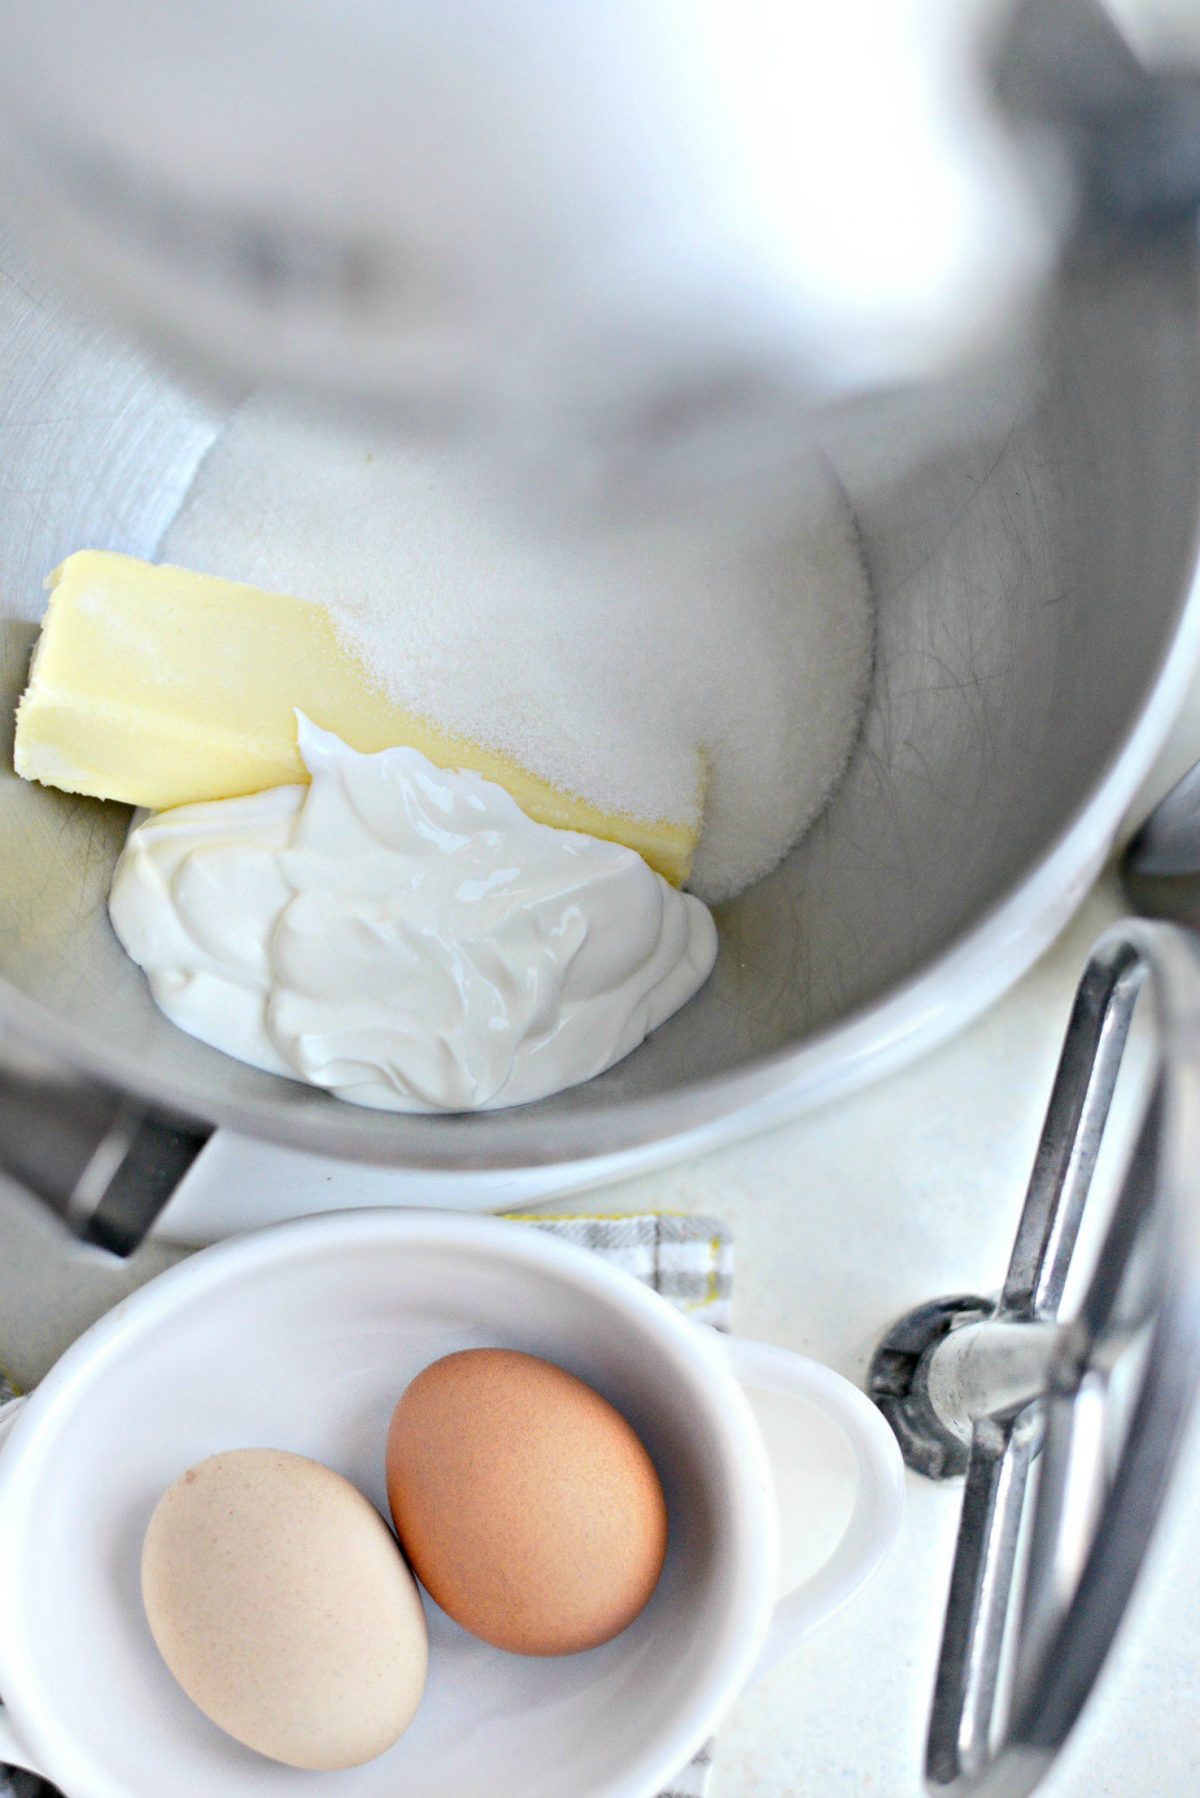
(280,1601)
(526,1504)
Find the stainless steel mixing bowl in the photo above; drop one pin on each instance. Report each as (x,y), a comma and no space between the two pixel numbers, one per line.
(1034,634)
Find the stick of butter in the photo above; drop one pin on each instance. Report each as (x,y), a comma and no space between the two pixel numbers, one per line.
(156,686)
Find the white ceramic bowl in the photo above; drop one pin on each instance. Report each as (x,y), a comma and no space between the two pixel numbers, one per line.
(302,1337)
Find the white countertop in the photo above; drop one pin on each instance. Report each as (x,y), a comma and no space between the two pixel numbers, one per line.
(844,1220)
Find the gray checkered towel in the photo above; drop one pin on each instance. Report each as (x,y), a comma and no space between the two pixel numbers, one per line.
(688,1259)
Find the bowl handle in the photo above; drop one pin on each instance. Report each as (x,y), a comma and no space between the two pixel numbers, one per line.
(13,1752)
(878,1502)
(104,1163)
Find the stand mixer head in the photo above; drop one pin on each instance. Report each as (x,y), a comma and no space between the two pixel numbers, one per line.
(625,251)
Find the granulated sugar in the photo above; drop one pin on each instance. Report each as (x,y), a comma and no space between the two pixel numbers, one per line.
(618,670)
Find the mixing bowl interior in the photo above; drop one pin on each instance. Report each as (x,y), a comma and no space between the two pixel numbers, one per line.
(1029,577)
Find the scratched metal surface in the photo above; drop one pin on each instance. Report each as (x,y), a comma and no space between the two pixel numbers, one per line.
(1029,582)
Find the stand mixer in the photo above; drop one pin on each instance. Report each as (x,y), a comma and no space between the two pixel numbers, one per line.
(645,259)
(638,257)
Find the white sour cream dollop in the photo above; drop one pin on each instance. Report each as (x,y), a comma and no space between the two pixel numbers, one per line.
(404,936)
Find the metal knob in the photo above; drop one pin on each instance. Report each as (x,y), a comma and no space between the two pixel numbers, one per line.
(1100,1398)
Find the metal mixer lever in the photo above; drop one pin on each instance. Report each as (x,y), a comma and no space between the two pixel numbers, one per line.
(988,1387)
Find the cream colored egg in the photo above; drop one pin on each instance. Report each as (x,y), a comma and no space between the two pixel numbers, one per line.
(281,1603)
